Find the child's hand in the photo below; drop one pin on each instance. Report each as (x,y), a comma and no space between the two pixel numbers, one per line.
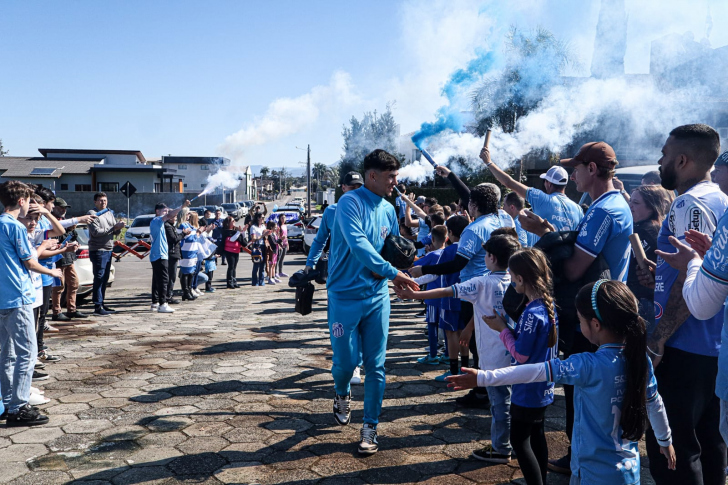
(467,380)
(496,322)
(465,336)
(405,293)
(415,271)
(669,453)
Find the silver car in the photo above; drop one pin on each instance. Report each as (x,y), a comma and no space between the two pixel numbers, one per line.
(309,234)
(139,229)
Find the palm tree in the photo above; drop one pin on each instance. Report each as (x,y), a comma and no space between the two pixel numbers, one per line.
(319,171)
(264,172)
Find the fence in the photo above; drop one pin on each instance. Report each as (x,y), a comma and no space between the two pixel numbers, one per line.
(139,203)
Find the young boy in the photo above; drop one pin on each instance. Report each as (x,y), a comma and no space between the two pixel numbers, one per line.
(486,294)
(432,313)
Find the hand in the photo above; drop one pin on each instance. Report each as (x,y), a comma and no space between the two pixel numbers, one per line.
(655,349)
(467,380)
(405,293)
(86,219)
(535,224)
(307,269)
(186,203)
(119,225)
(34,208)
(681,258)
(698,241)
(49,244)
(465,213)
(485,155)
(71,247)
(669,453)
(404,281)
(442,171)
(465,337)
(187,232)
(495,322)
(647,277)
(412,196)
(57,273)
(617,184)
(415,271)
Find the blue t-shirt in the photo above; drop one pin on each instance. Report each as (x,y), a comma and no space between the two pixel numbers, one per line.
(433,257)
(401,207)
(159,250)
(557,208)
(44,225)
(471,245)
(532,339)
(522,233)
(605,229)
(14,277)
(447,280)
(422,233)
(598,452)
(699,208)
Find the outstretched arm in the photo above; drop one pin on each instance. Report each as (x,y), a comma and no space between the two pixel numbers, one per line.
(501,176)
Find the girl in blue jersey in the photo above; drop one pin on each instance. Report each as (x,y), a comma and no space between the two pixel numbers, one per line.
(532,341)
(615,389)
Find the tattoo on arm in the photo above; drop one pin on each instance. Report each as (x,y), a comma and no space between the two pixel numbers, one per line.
(674,315)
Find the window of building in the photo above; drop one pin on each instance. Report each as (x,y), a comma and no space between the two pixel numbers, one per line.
(83,188)
(181,167)
(185,186)
(157,187)
(108,186)
(204,167)
(202,185)
(64,186)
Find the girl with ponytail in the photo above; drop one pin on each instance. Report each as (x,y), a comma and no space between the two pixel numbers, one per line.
(615,389)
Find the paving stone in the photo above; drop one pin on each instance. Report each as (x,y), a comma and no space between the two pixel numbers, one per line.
(12,470)
(42,477)
(153,456)
(169,423)
(76,398)
(37,435)
(87,426)
(22,452)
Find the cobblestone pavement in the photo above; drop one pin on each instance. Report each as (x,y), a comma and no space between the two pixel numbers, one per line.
(235,388)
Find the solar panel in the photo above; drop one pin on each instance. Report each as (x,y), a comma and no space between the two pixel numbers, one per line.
(43,171)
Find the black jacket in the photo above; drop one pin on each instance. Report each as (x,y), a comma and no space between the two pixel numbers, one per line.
(173,239)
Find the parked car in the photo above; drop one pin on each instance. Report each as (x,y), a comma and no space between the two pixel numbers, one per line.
(309,234)
(233,210)
(213,208)
(139,229)
(83,266)
(243,207)
(199,210)
(295,226)
(290,207)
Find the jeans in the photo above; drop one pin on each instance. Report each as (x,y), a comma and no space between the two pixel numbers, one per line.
(258,274)
(172,275)
(500,423)
(18,354)
(101,263)
(232,261)
(196,274)
(69,280)
(724,420)
(160,278)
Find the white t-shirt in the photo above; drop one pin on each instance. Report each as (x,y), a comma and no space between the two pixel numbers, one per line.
(256,232)
(35,278)
(485,293)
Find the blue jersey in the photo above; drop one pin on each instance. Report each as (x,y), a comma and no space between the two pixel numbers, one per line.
(401,207)
(322,235)
(447,280)
(532,339)
(598,452)
(605,229)
(699,208)
(422,233)
(362,223)
(471,245)
(14,276)
(557,208)
(433,257)
(522,233)
(159,250)
(44,225)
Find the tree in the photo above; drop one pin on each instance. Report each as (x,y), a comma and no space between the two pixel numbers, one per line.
(319,171)
(363,136)
(3,152)
(264,172)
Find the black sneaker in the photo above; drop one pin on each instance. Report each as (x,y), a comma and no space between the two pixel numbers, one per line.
(474,400)
(342,409)
(368,444)
(60,318)
(46,357)
(173,301)
(562,465)
(489,454)
(26,416)
(40,376)
(109,309)
(100,312)
(423,314)
(39,365)
(76,314)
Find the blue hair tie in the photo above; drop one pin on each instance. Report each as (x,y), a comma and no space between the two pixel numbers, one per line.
(594,298)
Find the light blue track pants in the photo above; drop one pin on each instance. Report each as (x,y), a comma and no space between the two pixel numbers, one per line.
(360,326)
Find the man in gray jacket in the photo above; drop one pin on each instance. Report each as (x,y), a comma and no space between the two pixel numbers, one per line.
(101,232)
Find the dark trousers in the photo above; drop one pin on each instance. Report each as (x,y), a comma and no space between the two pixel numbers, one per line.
(40,322)
(686,383)
(208,284)
(160,278)
(172,272)
(579,344)
(232,262)
(529,442)
(466,313)
(101,264)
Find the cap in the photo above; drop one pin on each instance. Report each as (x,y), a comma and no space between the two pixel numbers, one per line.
(160,206)
(61,203)
(556,175)
(722,161)
(352,178)
(598,152)
(420,200)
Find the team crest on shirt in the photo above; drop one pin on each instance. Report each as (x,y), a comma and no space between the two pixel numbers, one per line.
(383,231)
(337,330)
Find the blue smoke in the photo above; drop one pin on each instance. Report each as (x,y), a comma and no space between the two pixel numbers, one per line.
(450,117)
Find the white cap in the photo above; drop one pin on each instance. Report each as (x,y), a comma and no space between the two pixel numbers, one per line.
(556,175)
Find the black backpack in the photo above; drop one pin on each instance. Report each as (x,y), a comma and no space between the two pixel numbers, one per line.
(304,298)
(399,251)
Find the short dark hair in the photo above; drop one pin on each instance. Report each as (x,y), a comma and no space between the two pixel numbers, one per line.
(701,142)
(453,207)
(502,247)
(380,160)
(485,198)
(505,231)
(430,201)
(402,188)
(652,177)
(12,191)
(435,219)
(515,200)
(439,232)
(457,225)
(46,194)
(447,211)
(98,195)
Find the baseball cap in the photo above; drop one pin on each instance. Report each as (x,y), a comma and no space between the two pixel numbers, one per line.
(352,178)
(160,206)
(556,175)
(722,161)
(61,203)
(420,200)
(598,152)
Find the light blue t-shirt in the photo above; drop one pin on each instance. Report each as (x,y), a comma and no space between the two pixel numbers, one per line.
(363,221)
(598,452)
(605,229)
(471,245)
(557,208)
(160,249)
(422,233)
(14,277)
(322,235)
(44,225)
(522,233)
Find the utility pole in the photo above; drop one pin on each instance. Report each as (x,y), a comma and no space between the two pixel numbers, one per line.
(308,179)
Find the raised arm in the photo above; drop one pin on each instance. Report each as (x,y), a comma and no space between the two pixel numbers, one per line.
(501,176)
(457,184)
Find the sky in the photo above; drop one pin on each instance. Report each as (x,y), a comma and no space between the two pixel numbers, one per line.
(255,80)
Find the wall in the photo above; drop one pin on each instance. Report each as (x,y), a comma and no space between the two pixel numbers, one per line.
(144,182)
(111,159)
(140,203)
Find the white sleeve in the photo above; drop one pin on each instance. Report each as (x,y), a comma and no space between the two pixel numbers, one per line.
(520,374)
(426,278)
(235,236)
(66,223)
(658,419)
(704,296)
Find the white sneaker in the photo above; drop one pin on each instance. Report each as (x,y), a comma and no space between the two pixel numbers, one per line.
(342,409)
(356,378)
(283,275)
(155,307)
(271,281)
(165,309)
(196,292)
(277,280)
(368,444)
(35,390)
(37,400)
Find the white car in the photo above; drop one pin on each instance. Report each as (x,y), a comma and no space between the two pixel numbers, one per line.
(294,224)
(309,234)
(139,229)
(84,269)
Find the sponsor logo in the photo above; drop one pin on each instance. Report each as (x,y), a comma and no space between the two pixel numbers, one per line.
(695,219)
(337,330)
(602,229)
(680,204)
(658,311)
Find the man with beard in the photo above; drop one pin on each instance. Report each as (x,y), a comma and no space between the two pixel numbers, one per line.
(683,348)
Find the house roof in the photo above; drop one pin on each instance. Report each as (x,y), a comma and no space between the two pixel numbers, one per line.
(24,166)
(196,160)
(138,153)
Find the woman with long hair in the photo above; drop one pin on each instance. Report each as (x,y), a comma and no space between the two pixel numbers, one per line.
(232,244)
(257,246)
(283,246)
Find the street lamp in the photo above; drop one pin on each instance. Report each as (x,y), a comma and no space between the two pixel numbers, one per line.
(308,178)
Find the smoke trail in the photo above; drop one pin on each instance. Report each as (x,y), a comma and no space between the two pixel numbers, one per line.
(417,171)
(223,179)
